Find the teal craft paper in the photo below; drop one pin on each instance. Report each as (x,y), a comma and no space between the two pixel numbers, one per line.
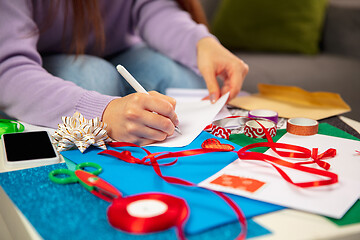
(207,210)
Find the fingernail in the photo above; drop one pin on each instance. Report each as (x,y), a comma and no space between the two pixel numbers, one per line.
(212,97)
(176,121)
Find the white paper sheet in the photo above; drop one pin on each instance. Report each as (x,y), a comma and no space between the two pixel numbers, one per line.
(193,117)
(333,200)
(182,95)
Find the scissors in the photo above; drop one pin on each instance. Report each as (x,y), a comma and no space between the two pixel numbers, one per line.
(118,212)
(88,179)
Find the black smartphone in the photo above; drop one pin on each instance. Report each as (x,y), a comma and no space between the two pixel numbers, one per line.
(29,149)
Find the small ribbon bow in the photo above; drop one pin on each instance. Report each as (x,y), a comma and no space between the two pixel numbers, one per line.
(330,153)
(80,132)
(318,159)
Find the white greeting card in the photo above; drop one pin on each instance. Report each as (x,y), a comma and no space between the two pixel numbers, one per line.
(260,181)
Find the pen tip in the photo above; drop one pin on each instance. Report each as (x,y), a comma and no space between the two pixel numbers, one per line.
(177,129)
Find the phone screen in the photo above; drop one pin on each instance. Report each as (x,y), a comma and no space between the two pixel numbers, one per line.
(28,146)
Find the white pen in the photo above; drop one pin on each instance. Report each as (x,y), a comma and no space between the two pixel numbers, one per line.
(135,84)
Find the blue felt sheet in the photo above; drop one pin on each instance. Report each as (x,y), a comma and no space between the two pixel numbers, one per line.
(71,212)
(207,210)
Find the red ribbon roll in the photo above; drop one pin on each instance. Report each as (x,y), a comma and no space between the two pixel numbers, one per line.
(146,213)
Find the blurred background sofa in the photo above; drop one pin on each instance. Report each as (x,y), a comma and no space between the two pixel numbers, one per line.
(334,64)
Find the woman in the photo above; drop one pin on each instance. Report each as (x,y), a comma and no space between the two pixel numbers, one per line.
(58,57)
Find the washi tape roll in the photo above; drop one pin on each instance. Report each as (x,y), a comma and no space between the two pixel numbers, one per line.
(264,113)
(254,130)
(302,126)
(220,131)
(224,127)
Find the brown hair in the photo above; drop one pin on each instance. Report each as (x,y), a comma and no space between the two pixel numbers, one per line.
(86,11)
(195,9)
(88,19)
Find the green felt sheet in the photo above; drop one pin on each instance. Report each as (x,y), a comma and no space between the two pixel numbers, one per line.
(351,217)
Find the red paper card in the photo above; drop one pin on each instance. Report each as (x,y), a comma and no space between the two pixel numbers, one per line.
(242,183)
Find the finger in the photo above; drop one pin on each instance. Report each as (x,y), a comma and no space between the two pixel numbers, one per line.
(163,108)
(171,100)
(232,85)
(211,83)
(138,140)
(206,98)
(143,128)
(154,131)
(235,80)
(156,122)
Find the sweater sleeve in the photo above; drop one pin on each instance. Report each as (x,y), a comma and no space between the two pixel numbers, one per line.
(170,30)
(27,91)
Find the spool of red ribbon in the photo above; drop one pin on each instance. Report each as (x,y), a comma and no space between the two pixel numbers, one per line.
(151,212)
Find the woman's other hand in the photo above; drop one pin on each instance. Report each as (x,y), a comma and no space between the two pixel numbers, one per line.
(141,118)
(215,60)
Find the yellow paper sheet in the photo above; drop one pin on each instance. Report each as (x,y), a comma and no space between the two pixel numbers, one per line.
(290,102)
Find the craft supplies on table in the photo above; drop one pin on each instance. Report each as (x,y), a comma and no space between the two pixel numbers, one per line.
(200,219)
(62,196)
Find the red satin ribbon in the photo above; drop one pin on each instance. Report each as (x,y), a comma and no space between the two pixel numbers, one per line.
(300,152)
(152,159)
(274,161)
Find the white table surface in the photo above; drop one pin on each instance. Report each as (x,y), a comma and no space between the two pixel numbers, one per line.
(284,224)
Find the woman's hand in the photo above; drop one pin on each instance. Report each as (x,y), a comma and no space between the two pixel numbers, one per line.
(215,60)
(141,118)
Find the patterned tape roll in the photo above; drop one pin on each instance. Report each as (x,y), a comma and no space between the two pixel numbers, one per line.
(302,126)
(254,130)
(224,127)
(264,113)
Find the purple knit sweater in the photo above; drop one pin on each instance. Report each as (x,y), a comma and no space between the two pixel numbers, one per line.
(30,94)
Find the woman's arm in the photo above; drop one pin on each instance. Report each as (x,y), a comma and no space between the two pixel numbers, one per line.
(171,31)
(27,91)
(168,29)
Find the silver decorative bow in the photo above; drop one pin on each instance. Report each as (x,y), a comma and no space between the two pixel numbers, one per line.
(80,132)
